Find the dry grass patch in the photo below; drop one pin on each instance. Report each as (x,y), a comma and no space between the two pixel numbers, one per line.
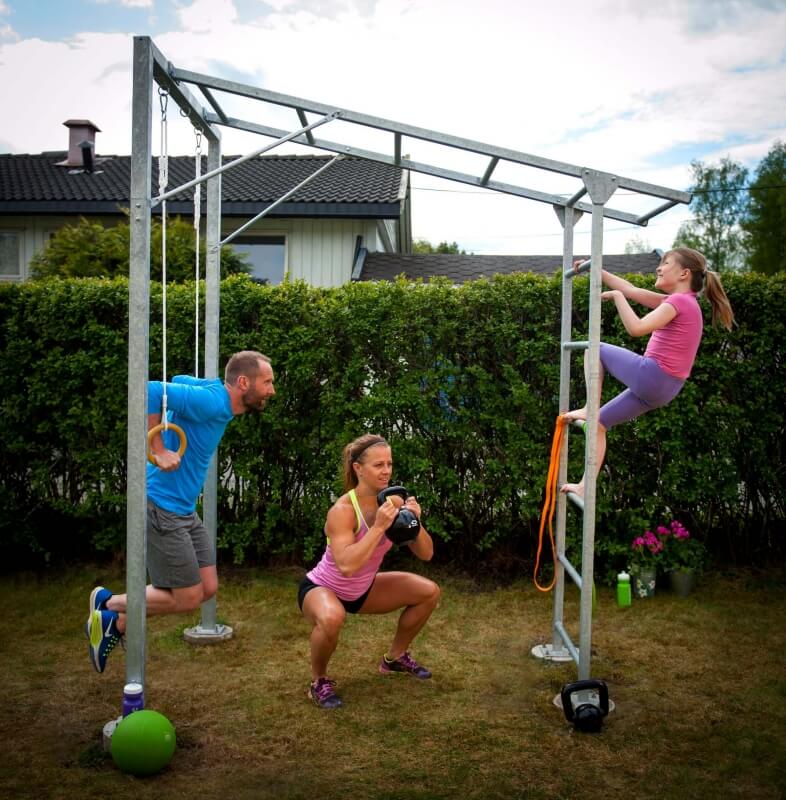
(699,685)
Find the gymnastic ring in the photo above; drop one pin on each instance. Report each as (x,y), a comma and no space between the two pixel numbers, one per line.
(170,427)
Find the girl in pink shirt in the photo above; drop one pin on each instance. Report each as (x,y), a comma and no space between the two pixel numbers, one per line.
(347,580)
(676,324)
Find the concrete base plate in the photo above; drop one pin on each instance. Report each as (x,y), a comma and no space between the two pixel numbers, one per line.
(200,635)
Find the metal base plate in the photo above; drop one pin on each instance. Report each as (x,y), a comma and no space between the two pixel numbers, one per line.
(200,635)
(549,653)
(109,729)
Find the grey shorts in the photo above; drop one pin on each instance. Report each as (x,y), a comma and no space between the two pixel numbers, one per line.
(177,547)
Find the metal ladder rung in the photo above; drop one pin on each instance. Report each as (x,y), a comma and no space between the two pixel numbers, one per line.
(583,267)
(576,500)
(570,569)
(578,345)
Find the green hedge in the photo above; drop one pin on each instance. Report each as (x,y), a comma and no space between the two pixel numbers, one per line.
(463,382)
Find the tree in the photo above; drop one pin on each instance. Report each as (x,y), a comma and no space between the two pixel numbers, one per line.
(424,246)
(719,205)
(637,244)
(89,250)
(766,220)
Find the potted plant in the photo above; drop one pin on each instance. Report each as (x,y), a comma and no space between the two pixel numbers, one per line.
(646,553)
(683,556)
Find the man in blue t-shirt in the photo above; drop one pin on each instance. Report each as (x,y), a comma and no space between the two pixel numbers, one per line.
(180,559)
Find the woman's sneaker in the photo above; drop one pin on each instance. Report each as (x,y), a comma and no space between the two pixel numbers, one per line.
(404,663)
(323,692)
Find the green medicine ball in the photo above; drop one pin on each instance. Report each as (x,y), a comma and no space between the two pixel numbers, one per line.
(143,742)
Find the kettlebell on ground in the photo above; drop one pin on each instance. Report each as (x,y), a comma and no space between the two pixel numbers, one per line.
(586,717)
(406,525)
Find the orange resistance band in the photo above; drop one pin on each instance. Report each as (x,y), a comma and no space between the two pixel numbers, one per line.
(550,503)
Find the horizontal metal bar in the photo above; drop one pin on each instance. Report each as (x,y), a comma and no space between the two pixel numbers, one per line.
(576,500)
(576,197)
(575,345)
(237,161)
(280,200)
(583,267)
(489,169)
(659,210)
(570,569)
(426,169)
(301,115)
(213,102)
(567,641)
(418,133)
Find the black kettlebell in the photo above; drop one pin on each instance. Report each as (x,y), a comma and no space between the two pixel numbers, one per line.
(586,717)
(406,526)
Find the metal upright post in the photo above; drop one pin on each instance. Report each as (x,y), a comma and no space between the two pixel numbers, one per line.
(568,217)
(600,186)
(138,349)
(209,631)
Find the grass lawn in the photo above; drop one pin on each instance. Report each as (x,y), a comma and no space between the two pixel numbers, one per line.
(699,685)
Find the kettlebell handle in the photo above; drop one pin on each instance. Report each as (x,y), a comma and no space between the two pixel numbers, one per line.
(392,491)
(584,686)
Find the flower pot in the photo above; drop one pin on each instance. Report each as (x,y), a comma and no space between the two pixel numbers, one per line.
(644,583)
(681,582)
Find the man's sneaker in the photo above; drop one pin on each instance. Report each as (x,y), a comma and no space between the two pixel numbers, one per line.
(323,692)
(98,598)
(103,635)
(406,664)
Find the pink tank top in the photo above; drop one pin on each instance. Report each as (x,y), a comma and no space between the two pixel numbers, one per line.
(673,348)
(327,573)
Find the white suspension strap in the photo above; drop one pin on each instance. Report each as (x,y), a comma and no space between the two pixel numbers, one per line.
(163,179)
(197,215)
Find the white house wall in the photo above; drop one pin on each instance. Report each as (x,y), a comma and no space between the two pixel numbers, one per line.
(318,251)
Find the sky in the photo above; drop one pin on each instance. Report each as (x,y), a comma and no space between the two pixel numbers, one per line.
(634,88)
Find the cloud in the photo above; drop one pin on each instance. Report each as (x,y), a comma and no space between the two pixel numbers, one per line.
(616,85)
(127,3)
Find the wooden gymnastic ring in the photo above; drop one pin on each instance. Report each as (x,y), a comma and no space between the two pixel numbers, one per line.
(170,427)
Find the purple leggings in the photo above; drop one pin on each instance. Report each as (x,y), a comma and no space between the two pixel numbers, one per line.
(648,385)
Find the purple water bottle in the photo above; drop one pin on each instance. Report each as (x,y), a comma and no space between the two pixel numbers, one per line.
(133,698)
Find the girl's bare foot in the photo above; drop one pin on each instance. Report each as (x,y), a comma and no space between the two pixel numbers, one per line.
(579,413)
(574,488)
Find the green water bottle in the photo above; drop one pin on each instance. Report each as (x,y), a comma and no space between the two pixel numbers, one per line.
(623,590)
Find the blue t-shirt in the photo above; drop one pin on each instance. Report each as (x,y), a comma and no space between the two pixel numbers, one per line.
(201,407)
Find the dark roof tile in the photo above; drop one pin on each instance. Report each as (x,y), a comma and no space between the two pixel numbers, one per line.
(460,268)
(258,180)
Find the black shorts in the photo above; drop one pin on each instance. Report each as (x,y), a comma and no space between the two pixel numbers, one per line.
(351,606)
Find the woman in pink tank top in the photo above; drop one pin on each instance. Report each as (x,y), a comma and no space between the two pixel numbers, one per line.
(675,322)
(347,580)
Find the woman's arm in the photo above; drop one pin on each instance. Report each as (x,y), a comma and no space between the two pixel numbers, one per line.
(635,326)
(350,555)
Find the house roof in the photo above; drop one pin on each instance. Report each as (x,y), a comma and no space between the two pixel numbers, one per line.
(460,268)
(34,184)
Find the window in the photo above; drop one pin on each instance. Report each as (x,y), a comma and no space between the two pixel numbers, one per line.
(265,254)
(9,255)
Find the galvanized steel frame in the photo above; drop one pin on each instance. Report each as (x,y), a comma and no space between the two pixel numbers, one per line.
(151,66)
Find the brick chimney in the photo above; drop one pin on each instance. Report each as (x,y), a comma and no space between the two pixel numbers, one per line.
(81,135)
